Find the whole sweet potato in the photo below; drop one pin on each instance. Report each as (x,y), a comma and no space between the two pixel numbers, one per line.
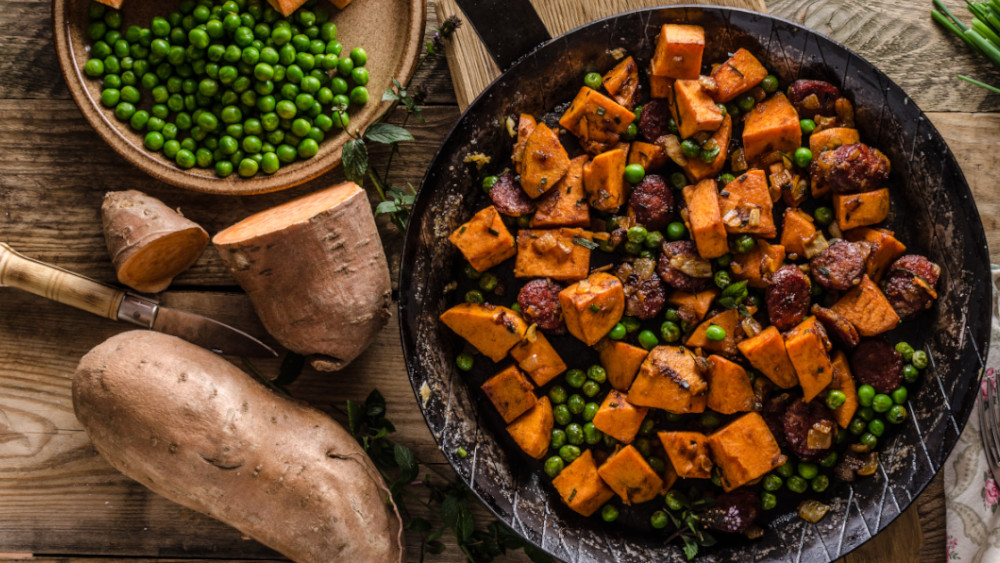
(192,427)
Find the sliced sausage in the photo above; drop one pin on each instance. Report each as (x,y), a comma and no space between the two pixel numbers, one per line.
(909,286)
(841,328)
(774,414)
(850,169)
(839,266)
(813,97)
(652,202)
(800,418)
(876,363)
(509,198)
(733,512)
(788,295)
(679,256)
(539,302)
(654,122)
(645,295)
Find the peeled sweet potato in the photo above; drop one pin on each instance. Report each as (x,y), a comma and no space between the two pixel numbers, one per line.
(772,125)
(694,110)
(807,350)
(688,454)
(628,475)
(533,429)
(866,307)
(565,205)
(511,393)
(552,253)
(744,450)
(621,360)
(580,487)
(544,163)
(596,120)
(619,418)
(192,427)
(603,179)
(737,75)
(679,49)
(670,379)
(592,306)
(491,329)
(709,233)
(697,169)
(622,82)
(861,210)
(484,240)
(766,352)
(536,356)
(885,248)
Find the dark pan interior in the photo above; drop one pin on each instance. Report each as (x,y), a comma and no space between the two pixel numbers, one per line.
(932,212)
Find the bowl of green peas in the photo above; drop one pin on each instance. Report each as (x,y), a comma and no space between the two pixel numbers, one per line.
(229,96)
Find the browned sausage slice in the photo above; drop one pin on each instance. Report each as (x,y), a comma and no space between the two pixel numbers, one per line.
(654,122)
(539,302)
(800,418)
(509,198)
(876,363)
(909,287)
(645,295)
(840,266)
(842,329)
(813,97)
(850,169)
(652,202)
(788,295)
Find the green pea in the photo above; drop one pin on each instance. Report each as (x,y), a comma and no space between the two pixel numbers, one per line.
(634,173)
(835,399)
(633,248)
(715,333)
(676,231)
(96,11)
(807,125)
(722,279)
(881,403)
(678,180)
(823,215)
(94,68)
(110,97)
(675,500)
(709,420)
(359,95)
(359,75)
(876,427)
(746,103)
(591,388)
(597,373)
(592,80)
(920,359)
(558,439)
(575,378)
(124,111)
(820,483)
(899,395)
(910,373)
(569,453)
(474,296)
(797,484)
(866,393)
(709,152)
(270,163)
(869,439)
(768,501)
(609,513)
(772,482)
(786,469)
(617,332)
(866,413)
(139,119)
(726,179)
(590,411)
(153,140)
(576,403)
(557,394)
(654,240)
(830,460)
(690,148)
(802,157)
(659,520)
(769,84)
(574,434)
(328,31)
(648,340)
(744,244)
(896,415)
(631,324)
(670,332)
(96,30)
(554,465)
(185,158)
(631,132)
(561,415)
(857,426)
(636,234)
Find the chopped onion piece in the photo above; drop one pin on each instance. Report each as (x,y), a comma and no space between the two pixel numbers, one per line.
(693,266)
(812,511)
(815,245)
(672,147)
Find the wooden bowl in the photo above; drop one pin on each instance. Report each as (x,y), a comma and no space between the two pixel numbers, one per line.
(391,31)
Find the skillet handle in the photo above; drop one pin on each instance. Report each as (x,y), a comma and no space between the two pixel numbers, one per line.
(509,29)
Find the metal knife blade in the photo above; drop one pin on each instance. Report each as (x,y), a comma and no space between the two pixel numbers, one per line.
(68,288)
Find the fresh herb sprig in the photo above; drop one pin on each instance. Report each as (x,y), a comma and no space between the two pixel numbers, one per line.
(447,499)
(685,515)
(982,36)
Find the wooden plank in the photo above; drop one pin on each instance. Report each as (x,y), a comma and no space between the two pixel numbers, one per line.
(472,68)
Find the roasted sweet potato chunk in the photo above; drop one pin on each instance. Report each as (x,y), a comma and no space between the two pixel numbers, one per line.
(694,110)
(709,233)
(525,126)
(592,306)
(621,360)
(670,379)
(552,254)
(484,240)
(648,155)
(537,357)
(745,204)
(885,249)
(744,450)
(757,265)
(797,231)
(511,393)
(678,51)
(829,139)
(767,353)
(866,307)
(688,454)
(533,429)
(861,210)
(565,205)
(619,418)
(730,322)
(491,329)
(580,486)
(604,180)
(596,120)
(729,388)
(628,475)
(545,161)
(622,82)
(738,75)
(772,125)
(696,169)
(661,87)
(692,306)
(806,348)
(844,382)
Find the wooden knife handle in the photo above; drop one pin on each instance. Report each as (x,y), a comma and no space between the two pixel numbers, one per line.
(54,283)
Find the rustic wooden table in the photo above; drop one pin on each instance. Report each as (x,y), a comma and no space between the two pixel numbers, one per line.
(59,501)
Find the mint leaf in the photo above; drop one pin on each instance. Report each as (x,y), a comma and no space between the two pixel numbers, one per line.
(387,134)
(355,158)
(387,207)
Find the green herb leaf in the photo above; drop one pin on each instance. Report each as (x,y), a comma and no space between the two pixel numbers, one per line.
(387,207)
(589,244)
(387,134)
(690,547)
(735,289)
(406,462)
(353,417)
(355,158)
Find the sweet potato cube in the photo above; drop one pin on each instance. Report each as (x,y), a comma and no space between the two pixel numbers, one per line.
(807,352)
(604,179)
(525,126)
(861,210)
(688,454)
(694,110)
(797,230)
(696,169)
(729,389)
(630,477)
(565,205)
(745,204)
(536,356)
(511,393)
(738,75)
(552,253)
(730,322)
(544,163)
(772,125)
(491,329)
(661,86)
(744,450)
(596,120)
(621,360)
(533,429)
(829,139)
(669,477)
(619,418)
(648,155)
(865,307)
(670,379)
(484,240)
(592,306)
(692,306)
(885,249)
(767,353)
(580,486)
(844,382)
(757,265)
(678,51)
(622,82)
(709,233)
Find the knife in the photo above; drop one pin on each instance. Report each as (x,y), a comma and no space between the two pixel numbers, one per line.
(57,284)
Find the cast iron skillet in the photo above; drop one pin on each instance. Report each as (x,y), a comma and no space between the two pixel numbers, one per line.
(932,212)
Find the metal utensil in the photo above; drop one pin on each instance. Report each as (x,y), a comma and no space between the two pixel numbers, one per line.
(68,288)
(989,409)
